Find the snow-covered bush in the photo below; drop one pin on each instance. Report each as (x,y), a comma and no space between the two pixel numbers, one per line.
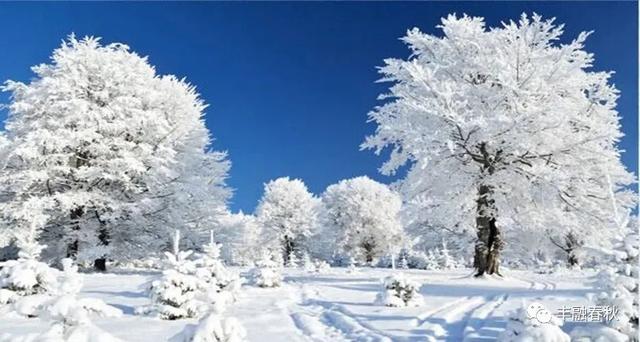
(398,290)
(212,328)
(268,271)
(26,276)
(533,323)
(69,315)
(322,266)
(620,286)
(173,296)
(221,284)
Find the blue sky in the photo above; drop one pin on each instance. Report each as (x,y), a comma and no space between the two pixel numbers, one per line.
(290,84)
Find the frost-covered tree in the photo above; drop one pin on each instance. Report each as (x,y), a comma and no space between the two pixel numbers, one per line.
(240,236)
(288,214)
(104,157)
(364,217)
(504,130)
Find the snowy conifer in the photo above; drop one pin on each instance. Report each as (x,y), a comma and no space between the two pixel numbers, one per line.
(107,155)
(268,270)
(364,216)
(174,295)
(288,214)
(504,130)
(398,290)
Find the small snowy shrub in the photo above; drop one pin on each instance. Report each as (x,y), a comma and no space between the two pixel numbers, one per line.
(399,291)
(532,324)
(69,315)
(212,270)
(174,295)
(322,266)
(268,271)
(26,276)
(212,328)
(597,333)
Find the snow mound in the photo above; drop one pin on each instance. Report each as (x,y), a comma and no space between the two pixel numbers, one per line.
(533,323)
(212,328)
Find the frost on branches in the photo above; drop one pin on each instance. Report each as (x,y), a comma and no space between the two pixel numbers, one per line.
(362,215)
(504,130)
(240,236)
(212,328)
(534,323)
(107,155)
(288,214)
(400,291)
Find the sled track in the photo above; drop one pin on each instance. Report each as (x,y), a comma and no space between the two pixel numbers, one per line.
(477,321)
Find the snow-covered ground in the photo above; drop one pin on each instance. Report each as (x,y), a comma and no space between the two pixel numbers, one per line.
(338,306)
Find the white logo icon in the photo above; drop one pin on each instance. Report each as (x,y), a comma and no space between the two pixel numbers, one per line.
(538,312)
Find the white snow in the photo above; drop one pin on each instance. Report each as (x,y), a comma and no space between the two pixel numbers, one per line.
(337,305)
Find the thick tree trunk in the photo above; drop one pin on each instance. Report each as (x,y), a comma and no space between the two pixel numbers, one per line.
(489,243)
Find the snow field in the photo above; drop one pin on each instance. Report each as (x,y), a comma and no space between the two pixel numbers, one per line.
(338,306)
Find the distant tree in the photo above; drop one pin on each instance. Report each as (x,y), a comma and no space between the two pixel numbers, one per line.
(288,214)
(504,129)
(105,158)
(240,236)
(364,217)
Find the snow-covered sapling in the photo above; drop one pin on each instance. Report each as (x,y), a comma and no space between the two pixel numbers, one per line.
(399,291)
(221,284)
(268,271)
(173,296)
(26,276)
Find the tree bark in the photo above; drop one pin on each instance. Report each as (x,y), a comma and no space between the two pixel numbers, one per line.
(288,248)
(489,243)
(100,264)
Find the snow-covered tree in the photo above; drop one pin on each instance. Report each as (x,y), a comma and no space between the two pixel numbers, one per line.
(105,157)
(288,214)
(398,290)
(222,284)
(175,294)
(268,270)
(504,130)
(363,216)
(240,236)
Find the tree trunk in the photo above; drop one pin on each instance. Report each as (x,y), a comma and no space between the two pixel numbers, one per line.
(368,252)
(74,215)
(288,248)
(489,244)
(100,264)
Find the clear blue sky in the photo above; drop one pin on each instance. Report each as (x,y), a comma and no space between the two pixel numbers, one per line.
(290,84)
